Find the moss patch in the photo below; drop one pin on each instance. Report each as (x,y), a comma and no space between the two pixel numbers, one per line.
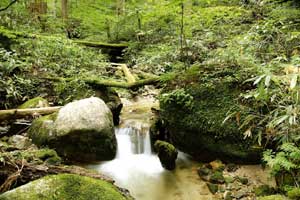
(65,186)
(36,102)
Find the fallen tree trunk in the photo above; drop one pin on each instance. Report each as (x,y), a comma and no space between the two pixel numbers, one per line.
(112,83)
(21,113)
(101,44)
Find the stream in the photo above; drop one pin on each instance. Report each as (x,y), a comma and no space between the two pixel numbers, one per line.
(138,169)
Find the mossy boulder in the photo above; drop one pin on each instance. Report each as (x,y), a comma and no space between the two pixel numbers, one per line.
(193,117)
(112,100)
(294,193)
(82,131)
(65,186)
(273,197)
(167,154)
(37,102)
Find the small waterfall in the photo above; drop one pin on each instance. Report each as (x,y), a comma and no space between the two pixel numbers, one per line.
(133,139)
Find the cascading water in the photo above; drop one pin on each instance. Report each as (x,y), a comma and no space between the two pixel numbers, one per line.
(138,169)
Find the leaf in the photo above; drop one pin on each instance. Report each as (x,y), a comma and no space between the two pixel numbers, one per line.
(280,120)
(247,133)
(258,79)
(229,116)
(294,81)
(267,81)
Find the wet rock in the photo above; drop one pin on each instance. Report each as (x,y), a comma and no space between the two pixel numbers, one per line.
(229,179)
(204,172)
(112,100)
(231,167)
(213,188)
(217,165)
(264,190)
(65,186)
(217,177)
(227,195)
(167,154)
(19,142)
(243,180)
(82,131)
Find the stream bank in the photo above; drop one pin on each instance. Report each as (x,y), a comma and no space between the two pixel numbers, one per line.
(138,169)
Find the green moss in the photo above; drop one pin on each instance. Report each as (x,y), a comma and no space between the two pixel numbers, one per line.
(41,128)
(167,154)
(49,156)
(273,197)
(65,186)
(229,179)
(201,131)
(264,190)
(34,103)
(217,177)
(294,193)
(213,188)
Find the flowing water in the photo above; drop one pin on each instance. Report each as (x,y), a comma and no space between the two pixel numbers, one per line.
(138,169)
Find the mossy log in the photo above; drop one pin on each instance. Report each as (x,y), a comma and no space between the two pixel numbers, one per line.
(101,44)
(21,113)
(112,83)
(129,77)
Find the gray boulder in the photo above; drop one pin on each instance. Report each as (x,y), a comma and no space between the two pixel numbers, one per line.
(82,130)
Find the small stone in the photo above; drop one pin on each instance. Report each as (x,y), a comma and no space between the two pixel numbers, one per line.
(204,172)
(229,179)
(240,194)
(227,195)
(243,180)
(231,167)
(217,177)
(213,188)
(217,165)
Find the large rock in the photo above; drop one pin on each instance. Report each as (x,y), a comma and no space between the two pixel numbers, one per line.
(65,186)
(82,130)
(193,117)
(167,154)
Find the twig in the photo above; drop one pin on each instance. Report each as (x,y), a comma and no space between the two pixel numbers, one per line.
(10,4)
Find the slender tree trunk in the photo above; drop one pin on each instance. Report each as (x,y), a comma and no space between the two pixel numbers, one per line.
(64,9)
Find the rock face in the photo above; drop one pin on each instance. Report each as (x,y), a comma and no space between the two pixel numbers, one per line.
(65,186)
(167,154)
(82,130)
(194,115)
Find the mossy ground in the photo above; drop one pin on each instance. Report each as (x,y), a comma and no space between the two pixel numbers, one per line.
(65,186)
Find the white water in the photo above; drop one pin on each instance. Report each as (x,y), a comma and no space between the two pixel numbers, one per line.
(138,169)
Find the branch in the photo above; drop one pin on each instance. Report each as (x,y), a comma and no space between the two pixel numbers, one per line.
(10,4)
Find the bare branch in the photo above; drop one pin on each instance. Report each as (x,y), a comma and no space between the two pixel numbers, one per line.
(10,4)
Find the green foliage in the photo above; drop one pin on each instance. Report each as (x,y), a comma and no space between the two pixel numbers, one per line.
(177,98)
(285,161)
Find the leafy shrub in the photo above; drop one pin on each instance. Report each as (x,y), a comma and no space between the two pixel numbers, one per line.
(177,98)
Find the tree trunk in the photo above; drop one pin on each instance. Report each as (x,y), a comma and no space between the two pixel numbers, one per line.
(21,113)
(64,9)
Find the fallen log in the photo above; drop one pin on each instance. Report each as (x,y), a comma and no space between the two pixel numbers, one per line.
(21,113)
(101,44)
(111,83)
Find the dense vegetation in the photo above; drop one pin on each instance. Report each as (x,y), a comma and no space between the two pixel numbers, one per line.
(228,68)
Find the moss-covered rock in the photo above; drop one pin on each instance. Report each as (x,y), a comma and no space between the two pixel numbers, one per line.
(217,177)
(213,188)
(167,154)
(264,190)
(273,197)
(81,131)
(194,116)
(112,100)
(37,102)
(65,186)
(294,193)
